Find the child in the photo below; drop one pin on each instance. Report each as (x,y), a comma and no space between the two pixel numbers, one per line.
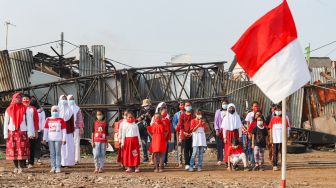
(259,142)
(54,134)
(198,127)
(117,137)
(130,144)
(276,135)
(158,131)
(99,141)
(235,155)
(167,124)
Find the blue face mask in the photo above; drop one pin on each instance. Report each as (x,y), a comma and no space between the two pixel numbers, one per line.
(71,102)
(224,106)
(188,108)
(278,113)
(64,102)
(54,114)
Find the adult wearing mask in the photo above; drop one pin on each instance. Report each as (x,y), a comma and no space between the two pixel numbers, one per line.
(68,149)
(18,128)
(41,123)
(232,128)
(79,125)
(185,133)
(144,119)
(219,116)
(176,117)
(32,141)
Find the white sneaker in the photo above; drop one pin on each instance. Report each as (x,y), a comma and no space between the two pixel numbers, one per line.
(58,170)
(275,168)
(15,170)
(19,171)
(52,170)
(199,169)
(187,167)
(30,166)
(219,163)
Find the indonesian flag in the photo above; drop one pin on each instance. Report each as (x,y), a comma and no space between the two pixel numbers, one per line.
(270,54)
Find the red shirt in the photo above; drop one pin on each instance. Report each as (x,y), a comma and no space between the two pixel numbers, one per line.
(235,151)
(184,124)
(276,120)
(195,122)
(99,133)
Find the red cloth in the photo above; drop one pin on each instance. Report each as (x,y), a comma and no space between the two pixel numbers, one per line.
(277,120)
(116,132)
(251,127)
(119,157)
(99,131)
(17,145)
(229,136)
(235,151)
(195,122)
(167,124)
(36,118)
(158,143)
(184,124)
(16,111)
(70,125)
(131,152)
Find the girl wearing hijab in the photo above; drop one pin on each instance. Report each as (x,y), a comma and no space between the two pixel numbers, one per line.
(79,125)
(68,149)
(18,128)
(231,126)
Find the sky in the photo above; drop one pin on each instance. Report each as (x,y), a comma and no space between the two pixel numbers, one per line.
(149,32)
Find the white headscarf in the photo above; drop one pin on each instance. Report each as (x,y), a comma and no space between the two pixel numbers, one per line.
(75,109)
(231,121)
(65,111)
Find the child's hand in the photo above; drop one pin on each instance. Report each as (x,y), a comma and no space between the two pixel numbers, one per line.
(252,145)
(106,145)
(93,144)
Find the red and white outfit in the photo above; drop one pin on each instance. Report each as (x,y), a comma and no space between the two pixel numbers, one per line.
(18,127)
(232,128)
(158,131)
(276,127)
(54,130)
(117,138)
(130,143)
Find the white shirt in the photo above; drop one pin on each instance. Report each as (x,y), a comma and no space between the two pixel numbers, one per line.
(199,137)
(129,130)
(53,130)
(27,124)
(277,133)
(249,117)
(42,120)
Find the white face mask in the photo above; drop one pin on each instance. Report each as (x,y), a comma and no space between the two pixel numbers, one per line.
(199,116)
(260,123)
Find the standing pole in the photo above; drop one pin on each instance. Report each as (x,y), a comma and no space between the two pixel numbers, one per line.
(7,23)
(62,43)
(284,145)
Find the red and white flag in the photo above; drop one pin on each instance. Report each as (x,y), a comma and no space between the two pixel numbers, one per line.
(270,54)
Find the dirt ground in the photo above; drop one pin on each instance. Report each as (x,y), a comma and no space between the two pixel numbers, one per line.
(312,169)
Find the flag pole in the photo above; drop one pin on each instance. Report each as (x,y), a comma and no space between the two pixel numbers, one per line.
(284,145)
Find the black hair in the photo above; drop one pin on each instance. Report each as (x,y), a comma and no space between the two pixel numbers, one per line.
(198,110)
(226,101)
(255,102)
(102,114)
(26,95)
(262,117)
(187,102)
(34,102)
(278,107)
(235,142)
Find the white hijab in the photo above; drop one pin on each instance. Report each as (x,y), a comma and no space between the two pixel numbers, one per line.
(231,121)
(65,111)
(75,109)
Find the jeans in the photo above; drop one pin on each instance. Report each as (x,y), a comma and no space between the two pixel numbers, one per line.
(276,150)
(248,150)
(220,147)
(259,155)
(144,144)
(179,154)
(55,153)
(200,151)
(99,154)
(187,145)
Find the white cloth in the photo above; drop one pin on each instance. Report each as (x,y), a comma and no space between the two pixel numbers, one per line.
(53,131)
(249,117)
(68,151)
(77,145)
(130,130)
(65,111)
(27,124)
(121,127)
(198,137)
(42,119)
(235,159)
(231,121)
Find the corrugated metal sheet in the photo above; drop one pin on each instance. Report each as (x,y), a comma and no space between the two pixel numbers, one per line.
(98,52)
(296,108)
(21,67)
(85,61)
(5,72)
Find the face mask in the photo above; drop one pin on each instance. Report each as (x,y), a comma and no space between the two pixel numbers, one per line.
(224,106)
(26,103)
(54,114)
(232,111)
(100,117)
(130,120)
(235,147)
(181,107)
(259,123)
(124,117)
(199,116)
(164,114)
(71,102)
(278,113)
(146,107)
(64,102)
(188,108)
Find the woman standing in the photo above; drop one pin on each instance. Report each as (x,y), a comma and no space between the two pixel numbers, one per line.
(231,126)
(18,128)
(68,149)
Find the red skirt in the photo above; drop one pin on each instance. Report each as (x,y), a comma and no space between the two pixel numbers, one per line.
(131,152)
(229,136)
(17,145)
(119,157)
